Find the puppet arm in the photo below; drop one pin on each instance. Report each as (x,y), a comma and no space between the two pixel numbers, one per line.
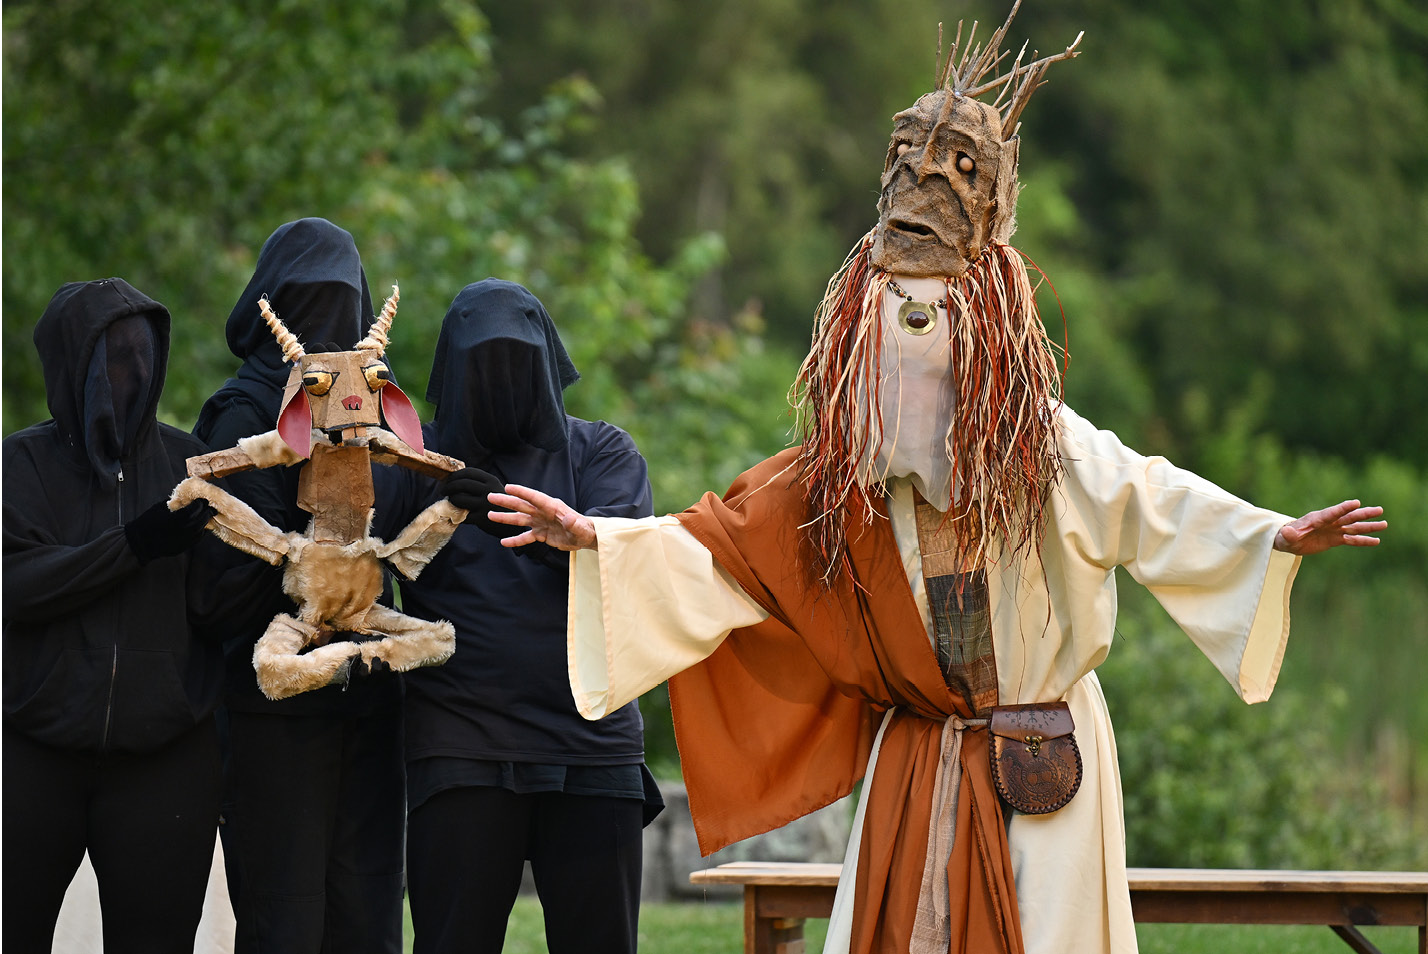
(422,539)
(235,523)
(261,450)
(388,448)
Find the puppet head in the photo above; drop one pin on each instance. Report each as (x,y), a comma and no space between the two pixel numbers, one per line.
(929,359)
(336,390)
(949,181)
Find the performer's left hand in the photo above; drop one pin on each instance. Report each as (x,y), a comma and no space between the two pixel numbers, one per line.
(547,519)
(1345,524)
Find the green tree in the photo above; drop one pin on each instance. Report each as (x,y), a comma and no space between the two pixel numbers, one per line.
(764,121)
(1212,782)
(163,142)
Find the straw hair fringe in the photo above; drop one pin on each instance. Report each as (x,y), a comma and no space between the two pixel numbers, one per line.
(1001,442)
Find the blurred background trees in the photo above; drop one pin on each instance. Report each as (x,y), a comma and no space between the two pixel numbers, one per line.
(1231,206)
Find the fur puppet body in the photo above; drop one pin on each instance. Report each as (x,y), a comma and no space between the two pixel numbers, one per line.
(334,576)
(331,422)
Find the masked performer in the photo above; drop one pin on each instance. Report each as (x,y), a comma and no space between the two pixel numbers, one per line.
(312,807)
(941,546)
(500,767)
(110,684)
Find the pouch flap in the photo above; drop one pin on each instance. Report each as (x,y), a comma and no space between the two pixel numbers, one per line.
(1050,720)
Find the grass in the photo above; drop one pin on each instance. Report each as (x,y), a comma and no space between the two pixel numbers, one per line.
(718,928)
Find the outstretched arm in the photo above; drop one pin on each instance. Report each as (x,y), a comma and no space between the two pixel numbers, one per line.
(1344,524)
(546,519)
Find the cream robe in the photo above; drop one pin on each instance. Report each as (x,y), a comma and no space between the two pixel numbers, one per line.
(651,601)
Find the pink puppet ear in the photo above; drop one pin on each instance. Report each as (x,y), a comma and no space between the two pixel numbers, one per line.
(295,424)
(402,417)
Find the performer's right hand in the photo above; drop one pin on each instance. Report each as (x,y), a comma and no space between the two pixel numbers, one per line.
(162,532)
(469,489)
(546,519)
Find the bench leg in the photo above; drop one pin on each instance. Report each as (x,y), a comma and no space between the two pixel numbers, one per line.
(769,935)
(1354,938)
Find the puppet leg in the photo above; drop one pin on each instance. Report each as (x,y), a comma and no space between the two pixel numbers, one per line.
(235,523)
(407,642)
(282,672)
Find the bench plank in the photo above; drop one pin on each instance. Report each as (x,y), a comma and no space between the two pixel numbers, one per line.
(778,896)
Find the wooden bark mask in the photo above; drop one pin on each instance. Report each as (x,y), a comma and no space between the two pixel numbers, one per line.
(949,181)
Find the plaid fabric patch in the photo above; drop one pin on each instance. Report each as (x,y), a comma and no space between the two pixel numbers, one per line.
(961,612)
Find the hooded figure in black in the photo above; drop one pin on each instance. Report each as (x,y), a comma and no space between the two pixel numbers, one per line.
(500,767)
(110,684)
(312,808)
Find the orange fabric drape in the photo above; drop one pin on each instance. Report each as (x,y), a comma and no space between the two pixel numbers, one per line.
(779,721)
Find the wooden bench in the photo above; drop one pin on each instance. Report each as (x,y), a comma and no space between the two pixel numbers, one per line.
(779,896)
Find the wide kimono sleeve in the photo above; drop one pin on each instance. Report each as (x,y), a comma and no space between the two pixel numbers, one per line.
(647,603)
(767,728)
(1207,556)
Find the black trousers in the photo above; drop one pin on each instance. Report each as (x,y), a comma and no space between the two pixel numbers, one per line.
(313,811)
(466,849)
(147,822)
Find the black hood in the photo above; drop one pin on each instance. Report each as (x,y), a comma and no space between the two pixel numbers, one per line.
(498,373)
(313,277)
(104,346)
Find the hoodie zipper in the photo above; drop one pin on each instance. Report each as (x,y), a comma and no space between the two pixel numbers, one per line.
(114,662)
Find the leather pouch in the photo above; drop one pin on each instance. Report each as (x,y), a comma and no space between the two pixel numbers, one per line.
(1036,764)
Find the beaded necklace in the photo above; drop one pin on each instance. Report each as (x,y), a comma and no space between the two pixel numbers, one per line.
(916,317)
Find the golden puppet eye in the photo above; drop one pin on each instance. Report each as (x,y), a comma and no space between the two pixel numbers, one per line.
(377,376)
(319,383)
(965,163)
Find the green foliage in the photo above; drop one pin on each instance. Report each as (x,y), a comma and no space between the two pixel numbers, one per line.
(1211,782)
(165,148)
(1253,193)
(765,121)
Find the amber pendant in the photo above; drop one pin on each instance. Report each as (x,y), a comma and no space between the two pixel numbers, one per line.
(917,317)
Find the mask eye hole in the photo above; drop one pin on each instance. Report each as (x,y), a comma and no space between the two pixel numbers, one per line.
(377,376)
(319,383)
(965,164)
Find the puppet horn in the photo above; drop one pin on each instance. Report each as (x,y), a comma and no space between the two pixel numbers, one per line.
(292,348)
(376,339)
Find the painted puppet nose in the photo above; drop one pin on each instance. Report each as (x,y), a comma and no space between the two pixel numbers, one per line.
(352,402)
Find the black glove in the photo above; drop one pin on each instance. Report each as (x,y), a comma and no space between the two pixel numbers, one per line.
(161,532)
(361,670)
(467,488)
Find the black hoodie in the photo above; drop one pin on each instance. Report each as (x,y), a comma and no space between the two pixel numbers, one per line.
(312,274)
(505,695)
(101,653)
